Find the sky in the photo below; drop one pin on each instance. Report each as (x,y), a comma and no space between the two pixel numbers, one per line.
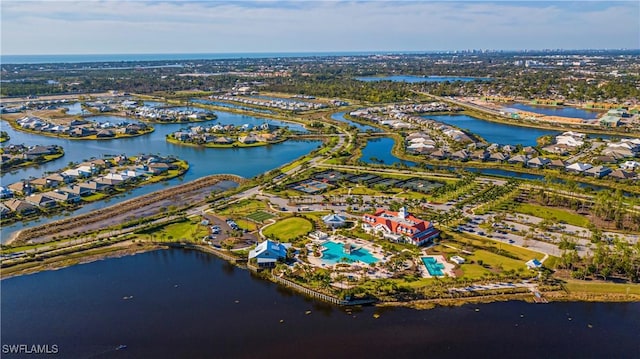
(138,27)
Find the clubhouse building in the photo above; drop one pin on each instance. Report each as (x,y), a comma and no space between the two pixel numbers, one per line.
(400,226)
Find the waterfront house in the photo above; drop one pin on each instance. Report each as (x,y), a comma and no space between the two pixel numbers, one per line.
(158,167)
(462,155)
(4,211)
(519,159)
(21,187)
(578,167)
(622,175)
(105,133)
(557,164)
(248,139)
(498,157)
(508,148)
(77,190)
(95,186)
(334,220)
(529,150)
(57,179)
(223,140)
(5,192)
(439,155)
(558,149)
(39,151)
(400,226)
(598,171)
(539,162)
(20,206)
(63,196)
(82,132)
(268,253)
(481,155)
(41,200)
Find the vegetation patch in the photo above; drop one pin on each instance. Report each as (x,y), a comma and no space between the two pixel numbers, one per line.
(288,229)
(260,216)
(555,214)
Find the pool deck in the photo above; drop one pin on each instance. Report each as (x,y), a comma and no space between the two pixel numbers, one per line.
(448,269)
(357,268)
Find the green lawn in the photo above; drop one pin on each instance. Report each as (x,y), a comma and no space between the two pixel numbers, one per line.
(289,228)
(601,287)
(244,207)
(94,197)
(248,225)
(181,230)
(495,260)
(260,216)
(555,214)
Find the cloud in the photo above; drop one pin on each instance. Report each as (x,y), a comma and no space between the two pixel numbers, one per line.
(49,27)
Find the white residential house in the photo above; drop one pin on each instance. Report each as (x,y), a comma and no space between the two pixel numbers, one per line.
(578,167)
(630,165)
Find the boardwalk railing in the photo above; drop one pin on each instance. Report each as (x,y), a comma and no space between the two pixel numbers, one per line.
(318,295)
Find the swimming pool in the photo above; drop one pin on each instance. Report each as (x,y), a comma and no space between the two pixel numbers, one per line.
(433,267)
(334,253)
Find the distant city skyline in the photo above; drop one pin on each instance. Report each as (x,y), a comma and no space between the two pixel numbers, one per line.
(140,27)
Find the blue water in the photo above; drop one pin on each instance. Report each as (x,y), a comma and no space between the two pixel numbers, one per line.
(494,132)
(433,267)
(73,109)
(246,162)
(557,111)
(334,253)
(414,79)
(380,148)
(77,58)
(187,304)
(339,116)
(111,119)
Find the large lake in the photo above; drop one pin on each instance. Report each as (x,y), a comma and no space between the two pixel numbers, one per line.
(246,162)
(494,132)
(413,79)
(556,111)
(187,304)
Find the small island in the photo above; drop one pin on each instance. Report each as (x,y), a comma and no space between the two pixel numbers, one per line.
(4,136)
(227,136)
(16,156)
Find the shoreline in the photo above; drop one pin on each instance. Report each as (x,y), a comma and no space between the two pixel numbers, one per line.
(67,137)
(232,145)
(130,248)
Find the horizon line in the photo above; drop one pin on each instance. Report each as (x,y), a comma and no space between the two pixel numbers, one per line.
(327,51)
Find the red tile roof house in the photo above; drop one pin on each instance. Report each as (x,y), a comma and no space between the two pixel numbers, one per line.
(400,226)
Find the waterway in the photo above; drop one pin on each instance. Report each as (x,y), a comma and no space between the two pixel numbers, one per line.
(413,79)
(186,304)
(246,162)
(563,111)
(339,116)
(379,149)
(494,132)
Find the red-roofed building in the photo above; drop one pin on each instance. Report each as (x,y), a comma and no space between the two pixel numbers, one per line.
(400,226)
